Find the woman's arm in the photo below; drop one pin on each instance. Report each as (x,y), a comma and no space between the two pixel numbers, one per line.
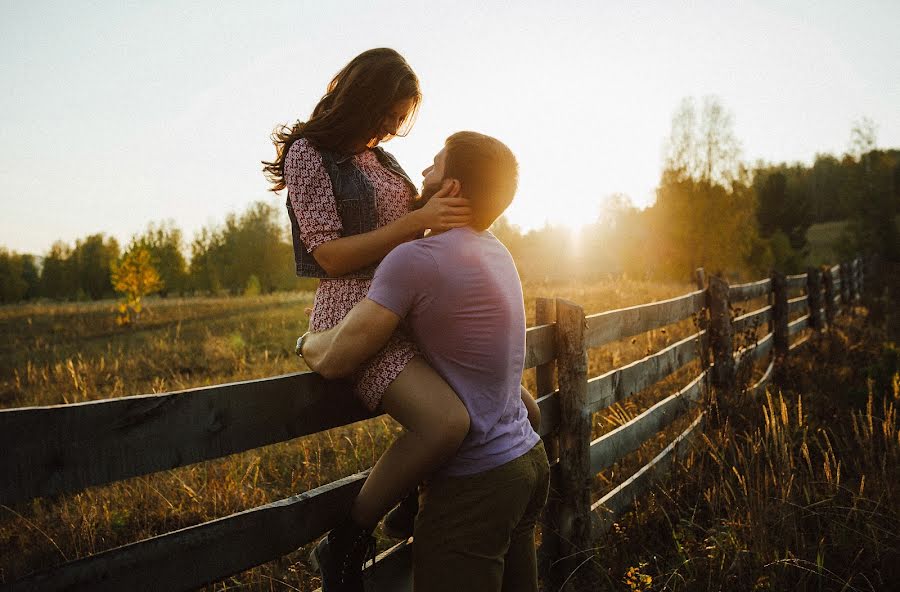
(347,254)
(312,199)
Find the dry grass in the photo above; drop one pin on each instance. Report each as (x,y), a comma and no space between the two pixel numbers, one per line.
(68,353)
(796,490)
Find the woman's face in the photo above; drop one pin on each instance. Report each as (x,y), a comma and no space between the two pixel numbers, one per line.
(394,118)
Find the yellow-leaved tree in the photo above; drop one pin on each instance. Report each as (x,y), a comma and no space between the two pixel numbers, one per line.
(134,276)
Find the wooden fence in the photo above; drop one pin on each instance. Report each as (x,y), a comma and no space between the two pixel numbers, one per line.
(66,448)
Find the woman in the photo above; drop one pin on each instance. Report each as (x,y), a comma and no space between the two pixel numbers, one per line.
(350,203)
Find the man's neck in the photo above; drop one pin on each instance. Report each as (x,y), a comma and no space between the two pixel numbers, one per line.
(437,232)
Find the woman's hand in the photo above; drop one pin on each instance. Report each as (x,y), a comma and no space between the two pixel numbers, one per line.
(445,209)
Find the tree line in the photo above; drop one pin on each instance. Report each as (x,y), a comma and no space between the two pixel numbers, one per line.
(247,254)
(712,209)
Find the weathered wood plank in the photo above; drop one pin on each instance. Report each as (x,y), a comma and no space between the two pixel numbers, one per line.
(749,290)
(611,447)
(721,334)
(830,309)
(612,325)
(192,557)
(65,448)
(540,345)
(780,325)
(760,385)
(752,319)
(798,325)
(622,382)
(549,405)
(548,552)
(757,351)
(574,437)
(798,304)
(796,282)
(702,315)
(611,506)
(801,342)
(814,297)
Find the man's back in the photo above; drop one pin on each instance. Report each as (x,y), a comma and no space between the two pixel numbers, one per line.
(461,296)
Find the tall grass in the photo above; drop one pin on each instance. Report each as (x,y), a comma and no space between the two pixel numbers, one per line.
(58,354)
(796,490)
(747,508)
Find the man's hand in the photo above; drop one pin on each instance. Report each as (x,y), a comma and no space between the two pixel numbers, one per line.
(337,352)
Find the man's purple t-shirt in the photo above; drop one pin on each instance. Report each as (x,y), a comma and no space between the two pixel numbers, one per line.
(460,294)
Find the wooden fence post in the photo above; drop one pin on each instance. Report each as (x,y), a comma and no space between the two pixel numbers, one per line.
(780,341)
(721,334)
(703,317)
(814,297)
(574,440)
(844,274)
(829,296)
(544,314)
(861,280)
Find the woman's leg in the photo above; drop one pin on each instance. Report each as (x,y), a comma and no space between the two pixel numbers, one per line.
(436,423)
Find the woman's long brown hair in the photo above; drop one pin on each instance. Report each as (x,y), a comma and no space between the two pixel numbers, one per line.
(352,109)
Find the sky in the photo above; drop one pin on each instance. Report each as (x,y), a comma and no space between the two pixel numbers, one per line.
(120,114)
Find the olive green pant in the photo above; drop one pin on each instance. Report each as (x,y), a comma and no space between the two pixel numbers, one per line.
(476,532)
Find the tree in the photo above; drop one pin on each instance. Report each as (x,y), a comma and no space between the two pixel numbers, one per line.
(164,243)
(783,204)
(92,259)
(134,277)
(704,213)
(58,277)
(253,244)
(703,148)
(863,137)
(13,286)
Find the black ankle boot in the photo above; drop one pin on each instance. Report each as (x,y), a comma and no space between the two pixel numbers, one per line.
(400,522)
(339,557)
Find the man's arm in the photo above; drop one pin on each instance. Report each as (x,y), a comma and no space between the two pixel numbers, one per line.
(338,351)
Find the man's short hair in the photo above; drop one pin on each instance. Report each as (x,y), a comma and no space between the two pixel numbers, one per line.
(487,172)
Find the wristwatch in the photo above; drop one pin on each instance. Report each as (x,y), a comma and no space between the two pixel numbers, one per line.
(299,349)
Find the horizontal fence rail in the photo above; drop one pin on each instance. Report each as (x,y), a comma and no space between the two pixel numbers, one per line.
(193,557)
(796,282)
(66,448)
(750,291)
(622,382)
(752,320)
(97,442)
(610,447)
(618,324)
(613,505)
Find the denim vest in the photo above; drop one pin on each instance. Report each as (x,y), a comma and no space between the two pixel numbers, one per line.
(354,196)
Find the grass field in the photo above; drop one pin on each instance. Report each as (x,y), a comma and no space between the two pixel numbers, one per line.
(824,240)
(65,353)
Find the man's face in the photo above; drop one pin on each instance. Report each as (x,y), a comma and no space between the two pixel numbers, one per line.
(434,175)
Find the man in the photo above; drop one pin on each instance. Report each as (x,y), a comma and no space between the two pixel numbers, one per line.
(460,295)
